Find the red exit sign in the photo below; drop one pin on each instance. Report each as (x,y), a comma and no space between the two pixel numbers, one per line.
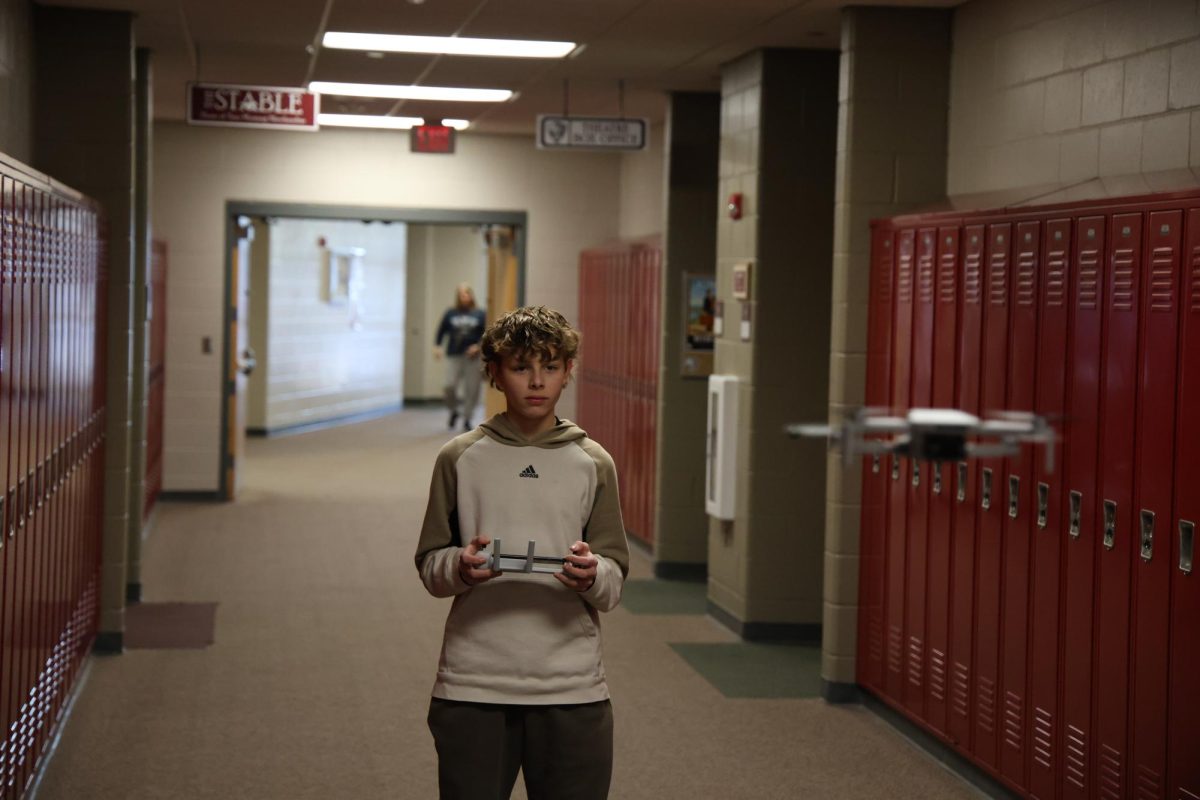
(432,139)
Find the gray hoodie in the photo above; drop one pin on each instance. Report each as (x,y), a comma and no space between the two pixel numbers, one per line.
(523,638)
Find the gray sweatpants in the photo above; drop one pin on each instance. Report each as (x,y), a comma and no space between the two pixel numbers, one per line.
(565,751)
(462,385)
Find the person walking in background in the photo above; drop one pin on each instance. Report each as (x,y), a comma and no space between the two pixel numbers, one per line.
(462,325)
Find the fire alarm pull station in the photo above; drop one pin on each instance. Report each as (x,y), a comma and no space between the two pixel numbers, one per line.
(734,205)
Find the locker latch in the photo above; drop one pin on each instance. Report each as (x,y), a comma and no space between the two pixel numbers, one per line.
(895,468)
(1187,536)
(962,481)
(937,478)
(1076,511)
(1147,535)
(1014,496)
(1110,524)
(1043,505)
(916,478)
(875,463)
(985,500)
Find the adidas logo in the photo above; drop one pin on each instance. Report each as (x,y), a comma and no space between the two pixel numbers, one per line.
(529,472)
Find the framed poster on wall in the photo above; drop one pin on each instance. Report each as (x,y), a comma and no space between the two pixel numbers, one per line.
(699,310)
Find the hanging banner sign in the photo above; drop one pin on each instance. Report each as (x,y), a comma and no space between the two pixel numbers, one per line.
(590,133)
(236,106)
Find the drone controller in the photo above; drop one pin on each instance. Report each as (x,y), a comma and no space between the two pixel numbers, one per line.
(530,562)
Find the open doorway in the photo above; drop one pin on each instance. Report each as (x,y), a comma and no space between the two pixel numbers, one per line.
(333,310)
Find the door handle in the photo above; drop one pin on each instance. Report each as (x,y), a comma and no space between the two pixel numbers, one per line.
(247,361)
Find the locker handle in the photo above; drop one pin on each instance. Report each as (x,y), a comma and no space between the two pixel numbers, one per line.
(875,464)
(962,481)
(937,478)
(11,508)
(22,503)
(1076,511)
(895,467)
(1043,516)
(1147,535)
(1014,496)
(985,500)
(916,478)
(1110,524)
(1187,536)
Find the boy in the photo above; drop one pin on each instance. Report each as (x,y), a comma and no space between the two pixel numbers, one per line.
(520,682)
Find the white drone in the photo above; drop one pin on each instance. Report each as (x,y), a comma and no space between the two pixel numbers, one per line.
(934,434)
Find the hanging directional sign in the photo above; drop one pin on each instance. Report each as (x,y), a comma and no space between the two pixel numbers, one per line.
(237,106)
(590,133)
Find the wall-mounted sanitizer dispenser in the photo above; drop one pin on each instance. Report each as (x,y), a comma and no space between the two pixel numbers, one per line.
(720,485)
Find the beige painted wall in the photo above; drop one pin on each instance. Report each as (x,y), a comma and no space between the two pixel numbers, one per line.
(643,187)
(16,79)
(1071,99)
(571,200)
(330,360)
(440,258)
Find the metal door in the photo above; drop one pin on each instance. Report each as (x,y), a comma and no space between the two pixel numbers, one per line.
(241,358)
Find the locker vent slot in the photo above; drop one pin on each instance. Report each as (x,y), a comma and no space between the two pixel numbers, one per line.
(937,675)
(1014,721)
(925,276)
(960,689)
(985,706)
(1043,737)
(973,279)
(1122,290)
(1162,279)
(885,274)
(1026,279)
(1110,524)
(1187,543)
(1075,511)
(985,500)
(916,662)
(1056,279)
(904,278)
(1014,496)
(1149,784)
(1076,766)
(998,279)
(1111,770)
(962,481)
(895,649)
(1043,515)
(948,278)
(1147,541)
(1089,278)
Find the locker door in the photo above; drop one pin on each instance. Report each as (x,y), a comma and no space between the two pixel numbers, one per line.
(1047,513)
(991,495)
(1082,434)
(1184,723)
(898,475)
(918,503)
(1117,518)
(941,483)
(966,483)
(1018,505)
(874,493)
(1155,470)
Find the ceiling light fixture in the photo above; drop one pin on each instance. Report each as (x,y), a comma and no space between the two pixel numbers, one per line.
(447,45)
(457,124)
(395,92)
(369,121)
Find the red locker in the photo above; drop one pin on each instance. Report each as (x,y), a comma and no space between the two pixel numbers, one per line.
(899,475)
(918,503)
(7,555)
(991,493)
(874,495)
(1117,517)
(1082,430)
(1047,513)
(941,508)
(1183,761)
(966,482)
(1018,505)
(1153,501)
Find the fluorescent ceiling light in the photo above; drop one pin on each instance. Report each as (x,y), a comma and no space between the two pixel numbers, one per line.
(457,124)
(447,45)
(368,121)
(411,92)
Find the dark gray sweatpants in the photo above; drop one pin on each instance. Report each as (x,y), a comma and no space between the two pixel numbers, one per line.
(564,751)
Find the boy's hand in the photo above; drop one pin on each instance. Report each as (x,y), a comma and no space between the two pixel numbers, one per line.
(579,568)
(468,562)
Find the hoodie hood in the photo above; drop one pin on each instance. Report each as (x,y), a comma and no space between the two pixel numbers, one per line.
(563,432)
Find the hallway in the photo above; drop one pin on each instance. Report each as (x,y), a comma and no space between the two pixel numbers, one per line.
(326,647)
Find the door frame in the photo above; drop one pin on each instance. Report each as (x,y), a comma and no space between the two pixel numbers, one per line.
(518,220)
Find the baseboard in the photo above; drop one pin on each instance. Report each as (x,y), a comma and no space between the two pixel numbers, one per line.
(424,402)
(109,643)
(681,571)
(133,593)
(309,427)
(795,632)
(189,497)
(840,693)
(947,756)
(59,725)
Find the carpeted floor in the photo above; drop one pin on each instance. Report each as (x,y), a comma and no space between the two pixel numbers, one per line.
(325,648)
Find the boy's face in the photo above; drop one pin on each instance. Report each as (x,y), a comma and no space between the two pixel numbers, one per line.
(532,388)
